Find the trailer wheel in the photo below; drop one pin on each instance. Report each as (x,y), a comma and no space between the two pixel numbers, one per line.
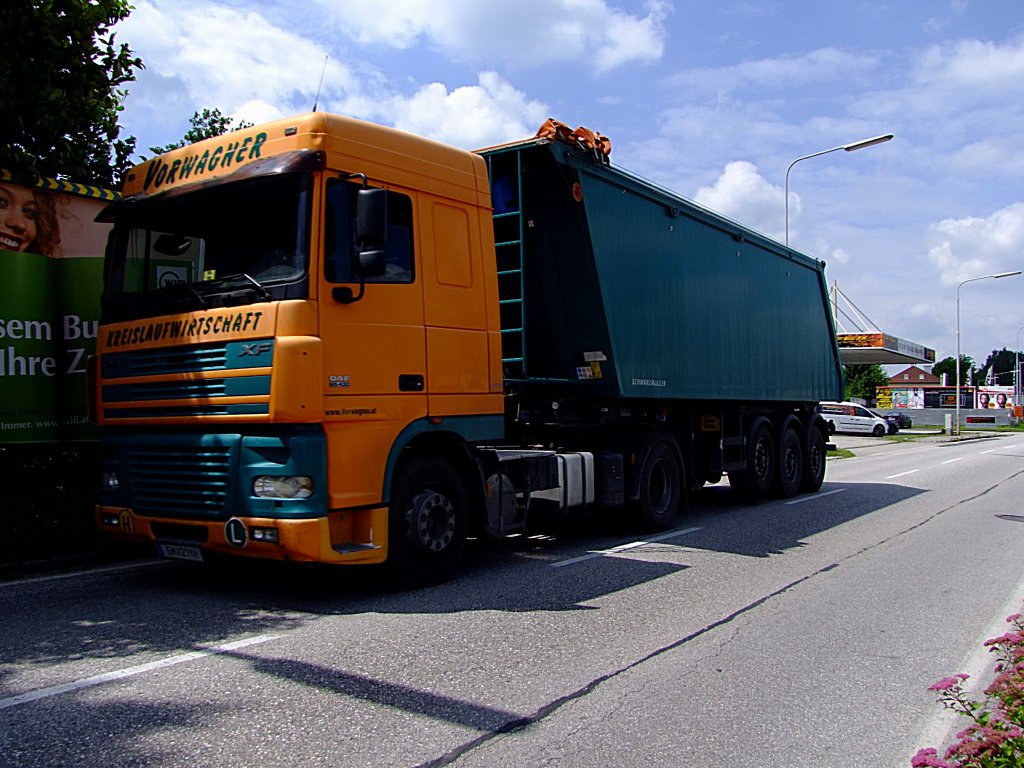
(661,487)
(428,521)
(791,464)
(754,482)
(814,461)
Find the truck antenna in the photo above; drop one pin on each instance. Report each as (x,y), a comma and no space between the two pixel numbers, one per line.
(316,99)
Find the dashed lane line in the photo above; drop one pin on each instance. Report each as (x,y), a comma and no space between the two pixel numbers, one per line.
(623,547)
(813,496)
(902,474)
(121,674)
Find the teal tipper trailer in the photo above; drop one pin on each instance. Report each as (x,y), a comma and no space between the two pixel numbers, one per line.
(612,287)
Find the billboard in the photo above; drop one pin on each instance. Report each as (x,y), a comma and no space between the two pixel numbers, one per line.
(52,251)
(899,397)
(993,397)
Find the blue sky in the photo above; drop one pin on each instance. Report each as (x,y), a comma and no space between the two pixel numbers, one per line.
(713,100)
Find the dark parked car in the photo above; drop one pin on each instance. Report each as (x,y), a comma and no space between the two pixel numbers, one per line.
(903,419)
(892,422)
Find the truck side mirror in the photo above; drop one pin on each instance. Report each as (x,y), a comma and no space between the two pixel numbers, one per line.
(371,219)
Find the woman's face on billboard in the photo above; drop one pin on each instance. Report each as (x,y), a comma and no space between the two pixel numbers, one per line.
(18,211)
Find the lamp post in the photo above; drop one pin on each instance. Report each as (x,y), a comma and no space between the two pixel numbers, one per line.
(1016,370)
(851,147)
(968,280)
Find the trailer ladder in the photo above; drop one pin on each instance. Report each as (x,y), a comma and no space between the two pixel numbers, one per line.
(506,193)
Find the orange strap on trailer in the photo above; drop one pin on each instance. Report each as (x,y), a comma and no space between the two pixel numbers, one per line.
(584,137)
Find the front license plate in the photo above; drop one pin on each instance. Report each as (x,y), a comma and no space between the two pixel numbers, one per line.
(180,552)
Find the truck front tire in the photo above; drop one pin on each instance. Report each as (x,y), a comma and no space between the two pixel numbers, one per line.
(427,523)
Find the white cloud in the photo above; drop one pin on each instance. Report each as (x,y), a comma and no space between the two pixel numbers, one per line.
(227,58)
(830,255)
(742,194)
(983,65)
(472,116)
(783,72)
(972,246)
(525,33)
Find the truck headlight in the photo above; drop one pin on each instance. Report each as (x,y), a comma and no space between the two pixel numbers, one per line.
(294,487)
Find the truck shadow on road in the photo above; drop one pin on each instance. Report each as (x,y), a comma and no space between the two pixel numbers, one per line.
(116,619)
(172,606)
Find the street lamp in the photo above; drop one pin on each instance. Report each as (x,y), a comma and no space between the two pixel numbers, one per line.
(968,280)
(1016,370)
(851,147)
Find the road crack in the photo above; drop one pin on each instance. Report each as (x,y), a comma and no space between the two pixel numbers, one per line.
(520,724)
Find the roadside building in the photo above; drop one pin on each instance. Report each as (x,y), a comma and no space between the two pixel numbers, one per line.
(915,388)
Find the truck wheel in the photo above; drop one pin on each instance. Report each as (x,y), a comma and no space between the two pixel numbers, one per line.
(661,488)
(428,521)
(754,482)
(791,464)
(814,461)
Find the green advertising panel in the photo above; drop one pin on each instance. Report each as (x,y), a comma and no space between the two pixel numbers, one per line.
(52,250)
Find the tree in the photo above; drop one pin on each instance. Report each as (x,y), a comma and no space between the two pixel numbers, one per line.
(1000,365)
(948,366)
(205,125)
(862,380)
(61,78)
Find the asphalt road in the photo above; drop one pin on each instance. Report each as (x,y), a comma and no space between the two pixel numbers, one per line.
(799,633)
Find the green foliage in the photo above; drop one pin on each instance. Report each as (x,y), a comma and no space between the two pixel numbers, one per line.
(948,365)
(205,125)
(862,380)
(61,78)
(1000,364)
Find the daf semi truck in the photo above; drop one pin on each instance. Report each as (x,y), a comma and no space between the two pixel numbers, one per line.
(324,340)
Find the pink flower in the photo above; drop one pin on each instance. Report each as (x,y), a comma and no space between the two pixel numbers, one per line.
(1009,638)
(947,683)
(928,757)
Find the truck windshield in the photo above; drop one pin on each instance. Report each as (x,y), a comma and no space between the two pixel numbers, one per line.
(222,245)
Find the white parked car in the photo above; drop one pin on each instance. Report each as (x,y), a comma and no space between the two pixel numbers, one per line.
(852,418)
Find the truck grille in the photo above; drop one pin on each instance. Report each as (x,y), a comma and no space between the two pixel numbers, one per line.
(189,481)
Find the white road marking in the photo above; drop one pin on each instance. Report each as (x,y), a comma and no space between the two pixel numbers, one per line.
(990,450)
(902,474)
(623,547)
(951,461)
(87,572)
(120,674)
(813,496)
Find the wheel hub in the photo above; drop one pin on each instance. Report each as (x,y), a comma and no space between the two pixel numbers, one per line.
(431,521)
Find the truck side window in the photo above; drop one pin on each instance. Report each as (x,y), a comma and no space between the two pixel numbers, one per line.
(339,236)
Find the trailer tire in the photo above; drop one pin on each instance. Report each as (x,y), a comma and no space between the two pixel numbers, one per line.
(661,487)
(815,454)
(755,482)
(790,461)
(428,521)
